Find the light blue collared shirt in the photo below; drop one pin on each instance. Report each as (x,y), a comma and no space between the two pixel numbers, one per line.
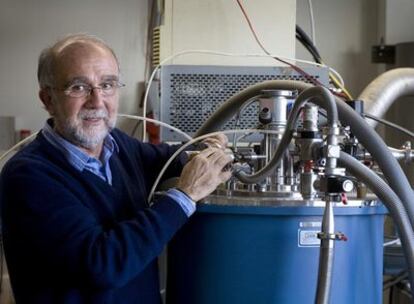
(82,161)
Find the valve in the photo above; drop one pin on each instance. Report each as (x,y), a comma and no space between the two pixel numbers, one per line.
(335,184)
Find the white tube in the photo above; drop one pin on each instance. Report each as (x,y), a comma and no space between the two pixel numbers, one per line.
(158,122)
(22,142)
(194,140)
(29,138)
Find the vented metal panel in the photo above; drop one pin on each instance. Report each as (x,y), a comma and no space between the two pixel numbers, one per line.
(190,94)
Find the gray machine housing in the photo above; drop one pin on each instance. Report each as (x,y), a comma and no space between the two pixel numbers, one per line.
(191,93)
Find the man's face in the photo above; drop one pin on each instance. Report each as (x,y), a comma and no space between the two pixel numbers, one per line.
(85,121)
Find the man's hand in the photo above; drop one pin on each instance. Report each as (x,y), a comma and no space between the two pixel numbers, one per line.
(204,172)
(219,141)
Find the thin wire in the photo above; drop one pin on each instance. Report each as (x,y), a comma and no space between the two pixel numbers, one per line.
(295,67)
(156,122)
(312,22)
(338,76)
(389,243)
(209,52)
(193,141)
(333,75)
(27,139)
(389,124)
(396,279)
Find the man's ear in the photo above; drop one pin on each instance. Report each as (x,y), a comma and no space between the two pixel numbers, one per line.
(46,98)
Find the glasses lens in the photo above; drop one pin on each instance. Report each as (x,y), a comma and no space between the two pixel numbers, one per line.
(78,90)
(83,90)
(110,88)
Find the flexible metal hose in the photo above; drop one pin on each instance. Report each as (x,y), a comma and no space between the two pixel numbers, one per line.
(384,90)
(390,200)
(317,95)
(388,164)
(326,256)
(365,134)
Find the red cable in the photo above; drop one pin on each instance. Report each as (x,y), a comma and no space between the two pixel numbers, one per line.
(295,67)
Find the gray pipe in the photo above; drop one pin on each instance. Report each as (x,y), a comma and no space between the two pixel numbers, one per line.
(317,95)
(230,107)
(381,93)
(380,152)
(391,201)
(365,134)
(326,256)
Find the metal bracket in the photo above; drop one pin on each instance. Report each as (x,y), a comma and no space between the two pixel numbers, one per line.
(338,236)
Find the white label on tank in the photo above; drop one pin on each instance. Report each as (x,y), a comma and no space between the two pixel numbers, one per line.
(308,234)
(309,238)
(310,224)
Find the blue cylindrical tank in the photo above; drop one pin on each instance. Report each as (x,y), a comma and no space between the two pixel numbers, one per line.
(267,254)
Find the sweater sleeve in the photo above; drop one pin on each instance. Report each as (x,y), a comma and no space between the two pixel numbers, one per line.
(48,221)
(151,158)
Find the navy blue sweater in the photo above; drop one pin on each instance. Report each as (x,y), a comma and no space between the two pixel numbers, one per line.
(72,238)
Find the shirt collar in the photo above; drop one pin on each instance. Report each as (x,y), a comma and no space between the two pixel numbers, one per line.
(75,156)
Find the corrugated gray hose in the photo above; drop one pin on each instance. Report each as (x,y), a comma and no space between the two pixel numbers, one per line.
(314,94)
(384,90)
(390,200)
(365,134)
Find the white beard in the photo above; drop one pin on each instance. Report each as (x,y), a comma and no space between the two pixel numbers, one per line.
(90,137)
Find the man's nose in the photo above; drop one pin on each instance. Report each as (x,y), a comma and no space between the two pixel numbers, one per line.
(95,98)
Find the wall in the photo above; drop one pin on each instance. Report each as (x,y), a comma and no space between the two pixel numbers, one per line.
(399,21)
(220,25)
(26,27)
(345,32)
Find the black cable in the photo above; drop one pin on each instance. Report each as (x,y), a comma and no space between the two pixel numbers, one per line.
(395,280)
(307,42)
(309,49)
(391,296)
(303,34)
(389,124)
(1,263)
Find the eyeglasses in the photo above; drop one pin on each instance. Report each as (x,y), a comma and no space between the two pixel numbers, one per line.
(80,90)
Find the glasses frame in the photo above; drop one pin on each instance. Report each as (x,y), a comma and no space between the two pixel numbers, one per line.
(89,90)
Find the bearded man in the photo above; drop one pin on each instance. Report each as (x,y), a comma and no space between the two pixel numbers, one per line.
(77,225)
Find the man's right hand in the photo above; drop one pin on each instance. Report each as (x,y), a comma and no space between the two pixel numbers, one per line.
(204,172)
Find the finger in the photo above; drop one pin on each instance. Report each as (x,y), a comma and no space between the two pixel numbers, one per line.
(224,163)
(221,159)
(225,176)
(219,140)
(214,143)
(214,158)
(223,139)
(207,152)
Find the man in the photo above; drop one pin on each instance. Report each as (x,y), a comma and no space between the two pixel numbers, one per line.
(76,222)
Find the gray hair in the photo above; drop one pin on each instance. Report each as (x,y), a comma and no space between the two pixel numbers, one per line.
(45,72)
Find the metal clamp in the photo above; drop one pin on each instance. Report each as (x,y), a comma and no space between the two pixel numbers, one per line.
(338,236)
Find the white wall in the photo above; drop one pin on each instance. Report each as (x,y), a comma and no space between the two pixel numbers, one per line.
(399,21)
(345,32)
(220,25)
(26,27)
